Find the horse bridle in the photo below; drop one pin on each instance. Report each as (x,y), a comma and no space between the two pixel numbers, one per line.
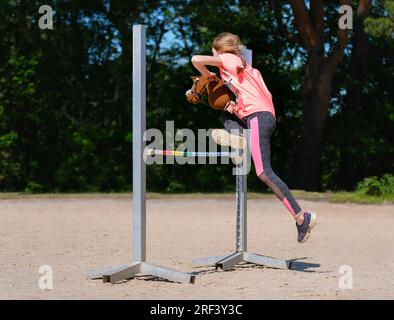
(198,94)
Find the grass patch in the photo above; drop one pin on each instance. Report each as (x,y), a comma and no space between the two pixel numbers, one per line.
(370,190)
(356,197)
(334,197)
(27,195)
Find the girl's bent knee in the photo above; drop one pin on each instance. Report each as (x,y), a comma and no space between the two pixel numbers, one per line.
(263,177)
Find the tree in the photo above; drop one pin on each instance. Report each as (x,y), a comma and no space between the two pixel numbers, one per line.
(322,58)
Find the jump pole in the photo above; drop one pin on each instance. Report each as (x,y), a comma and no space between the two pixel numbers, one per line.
(139,265)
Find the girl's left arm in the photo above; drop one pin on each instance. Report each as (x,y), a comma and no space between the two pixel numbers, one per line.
(199,62)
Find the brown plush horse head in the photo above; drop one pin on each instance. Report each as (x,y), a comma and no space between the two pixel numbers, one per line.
(218,93)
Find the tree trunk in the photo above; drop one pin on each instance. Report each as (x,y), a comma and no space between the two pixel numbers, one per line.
(347,173)
(315,100)
(316,87)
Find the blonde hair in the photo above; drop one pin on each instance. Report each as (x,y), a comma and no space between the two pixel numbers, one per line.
(229,43)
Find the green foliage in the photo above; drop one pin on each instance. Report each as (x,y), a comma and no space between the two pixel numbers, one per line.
(373,186)
(34,187)
(175,187)
(382,26)
(65,100)
(9,170)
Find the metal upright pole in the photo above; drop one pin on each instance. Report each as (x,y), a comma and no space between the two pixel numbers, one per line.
(242,182)
(241,224)
(139,126)
(120,272)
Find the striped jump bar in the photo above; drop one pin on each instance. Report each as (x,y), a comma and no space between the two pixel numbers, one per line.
(152,152)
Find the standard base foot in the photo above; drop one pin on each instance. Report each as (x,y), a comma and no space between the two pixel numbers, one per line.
(120,272)
(229,261)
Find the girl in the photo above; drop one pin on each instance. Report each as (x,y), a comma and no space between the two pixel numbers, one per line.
(255,111)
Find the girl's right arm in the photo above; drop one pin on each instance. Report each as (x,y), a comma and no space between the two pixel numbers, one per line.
(231,107)
(199,63)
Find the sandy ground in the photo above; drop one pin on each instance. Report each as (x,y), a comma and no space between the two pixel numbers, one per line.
(74,234)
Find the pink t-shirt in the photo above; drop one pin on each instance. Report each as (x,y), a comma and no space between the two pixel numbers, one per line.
(249,86)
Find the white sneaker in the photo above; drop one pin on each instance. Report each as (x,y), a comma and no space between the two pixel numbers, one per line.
(224,138)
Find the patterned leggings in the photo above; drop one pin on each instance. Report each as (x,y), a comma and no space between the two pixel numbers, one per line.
(262,125)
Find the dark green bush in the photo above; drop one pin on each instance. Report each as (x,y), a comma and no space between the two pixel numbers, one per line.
(373,186)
